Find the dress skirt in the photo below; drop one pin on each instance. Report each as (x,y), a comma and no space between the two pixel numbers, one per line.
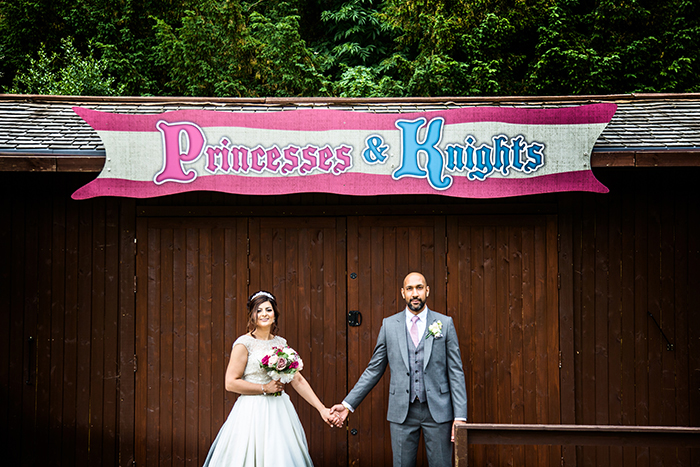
(260,431)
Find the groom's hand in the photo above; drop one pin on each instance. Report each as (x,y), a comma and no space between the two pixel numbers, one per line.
(342,413)
(456,422)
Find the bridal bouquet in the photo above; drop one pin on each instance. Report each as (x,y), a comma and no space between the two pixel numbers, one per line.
(282,364)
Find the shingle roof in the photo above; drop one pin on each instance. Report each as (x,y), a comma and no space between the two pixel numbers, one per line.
(43,125)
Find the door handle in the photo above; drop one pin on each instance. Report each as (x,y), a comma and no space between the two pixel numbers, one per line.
(354,318)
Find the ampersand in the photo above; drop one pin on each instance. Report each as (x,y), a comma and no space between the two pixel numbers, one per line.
(374,151)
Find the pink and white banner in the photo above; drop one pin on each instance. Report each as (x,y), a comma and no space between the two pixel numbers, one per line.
(471,152)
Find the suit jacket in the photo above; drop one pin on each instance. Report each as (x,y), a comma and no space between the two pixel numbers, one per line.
(442,369)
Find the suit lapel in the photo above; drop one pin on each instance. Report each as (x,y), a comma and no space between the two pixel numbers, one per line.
(400,335)
(428,343)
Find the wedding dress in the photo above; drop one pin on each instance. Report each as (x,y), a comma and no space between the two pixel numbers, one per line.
(261,430)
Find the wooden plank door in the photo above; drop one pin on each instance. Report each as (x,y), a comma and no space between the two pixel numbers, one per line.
(194,277)
(190,307)
(302,262)
(502,293)
(381,251)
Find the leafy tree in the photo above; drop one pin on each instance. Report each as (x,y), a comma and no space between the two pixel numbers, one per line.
(67,73)
(360,47)
(218,51)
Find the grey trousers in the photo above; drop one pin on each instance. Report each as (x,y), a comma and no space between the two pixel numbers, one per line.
(405,437)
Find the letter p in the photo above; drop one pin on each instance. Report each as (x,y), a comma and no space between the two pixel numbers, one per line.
(173,155)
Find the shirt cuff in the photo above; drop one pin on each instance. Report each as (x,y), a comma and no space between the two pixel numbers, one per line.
(348,406)
(460,419)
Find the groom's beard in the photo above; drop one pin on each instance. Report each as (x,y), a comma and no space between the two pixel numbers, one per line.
(416,307)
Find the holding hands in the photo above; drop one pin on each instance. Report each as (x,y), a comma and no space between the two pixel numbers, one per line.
(341,413)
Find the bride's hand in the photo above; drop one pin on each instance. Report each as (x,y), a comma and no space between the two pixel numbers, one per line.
(273,387)
(331,419)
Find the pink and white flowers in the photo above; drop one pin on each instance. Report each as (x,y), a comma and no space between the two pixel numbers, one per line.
(282,364)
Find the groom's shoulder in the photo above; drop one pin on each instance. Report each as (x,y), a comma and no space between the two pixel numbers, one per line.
(395,318)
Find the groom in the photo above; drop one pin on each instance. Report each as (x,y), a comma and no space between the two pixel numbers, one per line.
(427,390)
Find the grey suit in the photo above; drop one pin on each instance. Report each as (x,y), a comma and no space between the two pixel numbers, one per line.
(443,379)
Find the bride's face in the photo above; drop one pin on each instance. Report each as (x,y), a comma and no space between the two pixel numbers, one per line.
(265,315)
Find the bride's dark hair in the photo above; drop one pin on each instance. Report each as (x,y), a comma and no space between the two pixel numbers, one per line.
(254,301)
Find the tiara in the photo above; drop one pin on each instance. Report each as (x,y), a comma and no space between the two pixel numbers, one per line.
(266,294)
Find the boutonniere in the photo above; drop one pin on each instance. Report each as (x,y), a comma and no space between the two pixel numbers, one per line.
(435,330)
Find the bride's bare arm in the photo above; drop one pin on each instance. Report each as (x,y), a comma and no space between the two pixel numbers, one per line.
(234,375)
(304,389)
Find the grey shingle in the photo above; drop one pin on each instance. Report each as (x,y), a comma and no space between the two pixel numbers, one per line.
(49,123)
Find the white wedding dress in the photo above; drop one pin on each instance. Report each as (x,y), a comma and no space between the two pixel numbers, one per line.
(260,431)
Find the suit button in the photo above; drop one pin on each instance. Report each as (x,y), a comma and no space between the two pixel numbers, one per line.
(406,390)
(408,374)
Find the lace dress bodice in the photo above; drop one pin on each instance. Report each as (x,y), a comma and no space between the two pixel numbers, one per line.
(257,349)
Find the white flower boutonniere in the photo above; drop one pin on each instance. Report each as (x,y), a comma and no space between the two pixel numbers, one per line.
(435,330)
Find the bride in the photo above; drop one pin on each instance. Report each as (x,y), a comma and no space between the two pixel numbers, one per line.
(262,429)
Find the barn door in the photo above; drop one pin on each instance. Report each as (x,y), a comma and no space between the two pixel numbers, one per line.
(302,262)
(194,277)
(191,287)
(502,293)
(497,278)
(381,251)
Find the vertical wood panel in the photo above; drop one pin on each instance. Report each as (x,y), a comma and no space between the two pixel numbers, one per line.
(109,428)
(179,355)
(601,314)
(478,348)
(529,338)
(614,300)
(166,315)
(515,335)
(151,365)
(490,361)
(640,317)
(70,336)
(28,322)
(204,381)
(503,341)
(58,304)
(127,332)
(43,330)
(192,354)
(6,264)
(628,412)
(566,323)
(97,362)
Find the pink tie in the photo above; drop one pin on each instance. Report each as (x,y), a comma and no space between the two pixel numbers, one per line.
(414,330)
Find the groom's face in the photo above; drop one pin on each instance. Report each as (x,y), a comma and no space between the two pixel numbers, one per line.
(415,292)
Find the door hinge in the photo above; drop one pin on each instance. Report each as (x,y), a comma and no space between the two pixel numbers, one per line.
(136,363)
(560,359)
(558,242)
(135,281)
(558,281)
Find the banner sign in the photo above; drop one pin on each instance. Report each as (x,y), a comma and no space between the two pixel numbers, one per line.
(470,152)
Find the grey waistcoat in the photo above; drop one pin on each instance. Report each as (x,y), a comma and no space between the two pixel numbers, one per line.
(415,367)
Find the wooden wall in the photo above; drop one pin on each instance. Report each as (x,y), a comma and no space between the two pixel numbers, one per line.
(626,261)
(60,319)
(630,274)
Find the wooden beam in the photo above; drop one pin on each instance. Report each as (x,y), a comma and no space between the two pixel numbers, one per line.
(576,435)
(19,162)
(656,158)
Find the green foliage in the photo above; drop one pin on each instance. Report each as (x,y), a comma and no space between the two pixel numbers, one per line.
(218,51)
(354,47)
(356,35)
(67,73)
(362,81)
